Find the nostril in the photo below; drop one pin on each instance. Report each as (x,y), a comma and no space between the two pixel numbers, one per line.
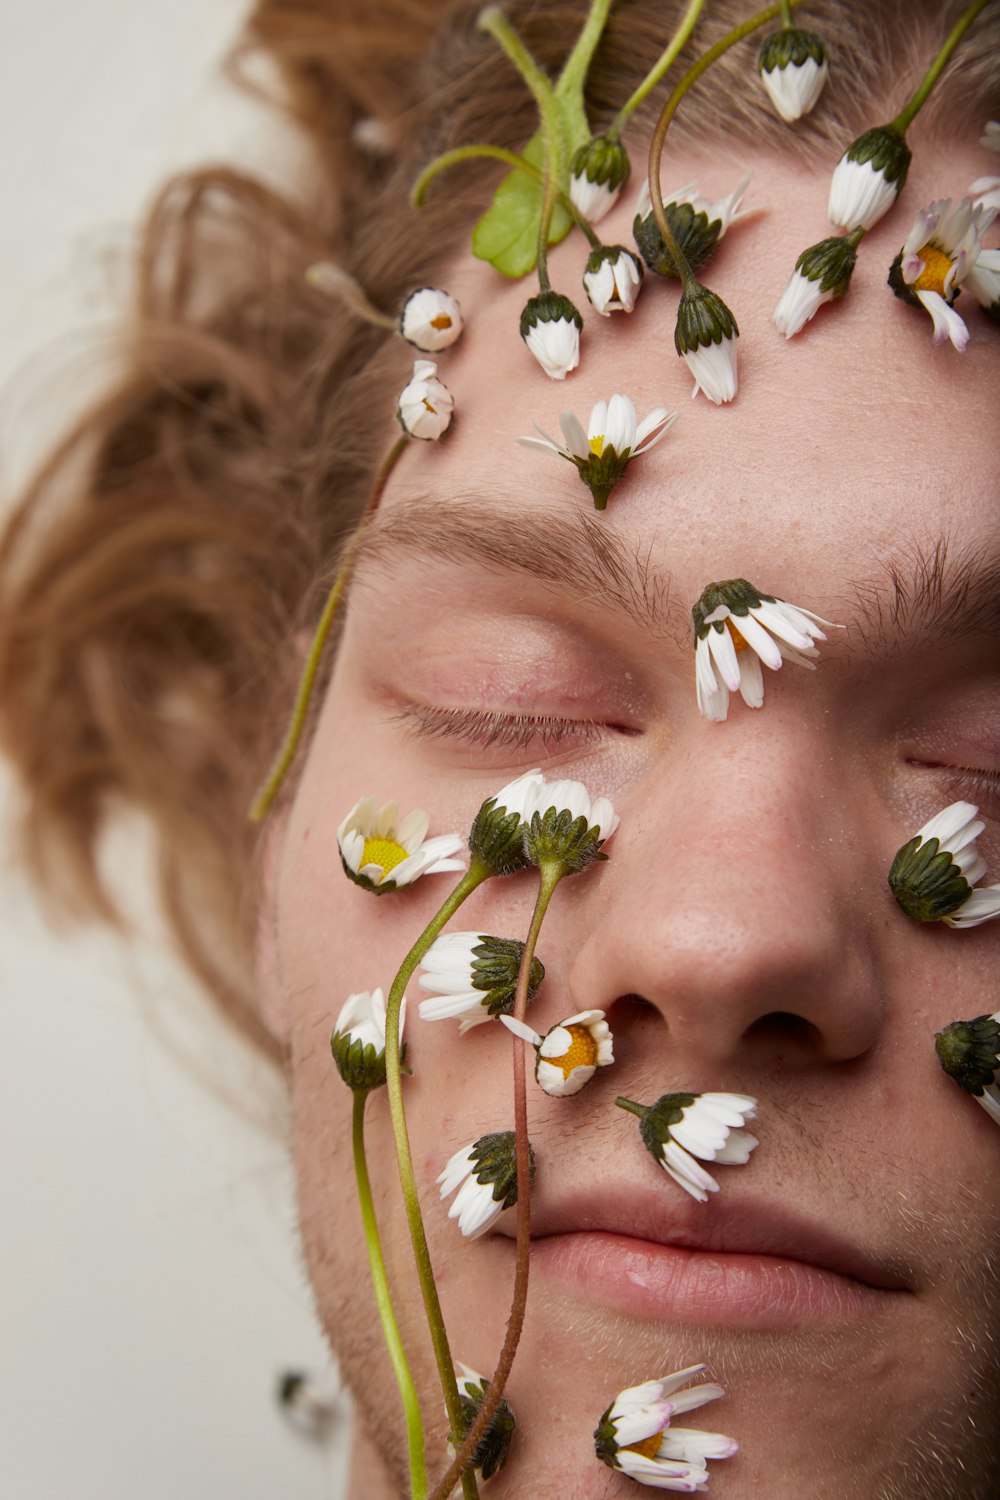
(627,1008)
(782,1026)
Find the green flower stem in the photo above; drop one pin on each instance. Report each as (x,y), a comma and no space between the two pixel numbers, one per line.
(383,1301)
(549,877)
(909,112)
(474,877)
(855,237)
(520,163)
(666,59)
(786,15)
(632,1107)
(577,65)
(261,804)
(688,280)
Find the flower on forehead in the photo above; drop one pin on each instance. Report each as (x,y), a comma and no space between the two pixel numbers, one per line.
(612,440)
(868,178)
(822,273)
(793,67)
(473,976)
(382,853)
(550,326)
(485,1174)
(942,247)
(635,1436)
(564,824)
(697,224)
(680,1127)
(983,281)
(598,172)
(358,1041)
(568,1055)
(497,837)
(431,319)
(969,1052)
(493,1449)
(705,338)
(933,874)
(426,405)
(986,190)
(612,279)
(736,627)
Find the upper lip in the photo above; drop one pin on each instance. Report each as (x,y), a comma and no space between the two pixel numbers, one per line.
(730,1224)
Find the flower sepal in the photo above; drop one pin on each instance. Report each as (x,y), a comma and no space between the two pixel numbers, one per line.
(705,337)
(676,1128)
(475,976)
(497,836)
(697,225)
(933,874)
(868,178)
(485,1175)
(358,1040)
(598,171)
(550,326)
(493,1449)
(822,274)
(793,66)
(968,1052)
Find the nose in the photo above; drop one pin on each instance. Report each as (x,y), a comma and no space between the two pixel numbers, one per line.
(732,903)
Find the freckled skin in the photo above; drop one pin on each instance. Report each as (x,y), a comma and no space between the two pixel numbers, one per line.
(743,901)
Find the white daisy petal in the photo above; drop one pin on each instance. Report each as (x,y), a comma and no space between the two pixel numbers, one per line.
(383,854)
(625,1431)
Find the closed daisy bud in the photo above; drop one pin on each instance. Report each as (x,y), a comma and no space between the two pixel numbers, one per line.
(550,326)
(941,250)
(566,826)
(474,976)
(933,874)
(568,1055)
(426,405)
(697,224)
(485,1174)
(705,338)
(969,1052)
(431,319)
(358,1041)
(381,853)
(493,1449)
(736,627)
(613,439)
(598,172)
(635,1434)
(497,837)
(793,67)
(612,279)
(822,274)
(868,178)
(680,1127)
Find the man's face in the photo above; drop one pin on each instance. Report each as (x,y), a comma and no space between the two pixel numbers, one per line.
(842,1285)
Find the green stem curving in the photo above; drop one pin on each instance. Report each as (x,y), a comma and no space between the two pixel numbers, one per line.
(909,112)
(665,60)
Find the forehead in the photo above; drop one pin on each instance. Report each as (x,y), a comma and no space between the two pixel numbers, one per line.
(853,441)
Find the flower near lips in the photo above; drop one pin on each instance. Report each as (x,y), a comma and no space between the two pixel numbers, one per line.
(793,67)
(612,279)
(680,1127)
(933,874)
(550,326)
(381,853)
(822,274)
(568,1055)
(612,440)
(705,337)
(493,1448)
(969,1052)
(697,224)
(431,320)
(868,178)
(942,248)
(598,172)
(474,977)
(358,1041)
(426,405)
(485,1174)
(635,1434)
(736,627)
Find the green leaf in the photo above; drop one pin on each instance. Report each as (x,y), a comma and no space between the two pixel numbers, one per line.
(507,233)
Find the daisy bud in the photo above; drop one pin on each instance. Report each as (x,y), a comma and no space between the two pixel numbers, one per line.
(969,1052)
(933,873)
(358,1041)
(705,338)
(868,178)
(493,1449)
(697,224)
(382,853)
(566,826)
(680,1127)
(568,1055)
(793,66)
(550,326)
(612,279)
(635,1436)
(497,837)
(485,1174)
(598,172)
(822,274)
(474,976)
(613,438)
(431,320)
(425,405)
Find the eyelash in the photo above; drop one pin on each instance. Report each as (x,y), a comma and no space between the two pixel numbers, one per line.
(490,728)
(976,786)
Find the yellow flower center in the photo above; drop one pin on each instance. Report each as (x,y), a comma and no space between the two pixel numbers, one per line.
(648,1447)
(581,1052)
(597,445)
(441,321)
(384,852)
(936,268)
(738,640)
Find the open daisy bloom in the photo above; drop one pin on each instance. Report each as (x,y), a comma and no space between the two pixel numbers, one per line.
(485,1175)
(736,627)
(680,1127)
(941,250)
(381,853)
(474,976)
(969,1052)
(568,1055)
(933,873)
(612,440)
(635,1436)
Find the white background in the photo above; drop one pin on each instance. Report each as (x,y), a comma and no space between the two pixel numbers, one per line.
(151,1291)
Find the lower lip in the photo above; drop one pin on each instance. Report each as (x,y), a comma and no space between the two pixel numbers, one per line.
(664,1282)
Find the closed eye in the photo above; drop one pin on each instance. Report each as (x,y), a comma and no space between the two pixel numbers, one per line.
(489,727)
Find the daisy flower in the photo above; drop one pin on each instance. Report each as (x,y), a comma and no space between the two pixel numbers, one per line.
(382,853)
(868,178)
(793,67)
(493,1449)
(550,326)
(431,319)
(635,1436)
(986,190)
(939,252)
(680,1127)
(598,172)
(933,874)
(473,976)
(822,273)
(485,1175)
(736,627)
(612,279)
(697,223)
(612,440)
(568,1055)
(497,837)
(705,337)
(426,405)
(969,1052)
(358,1041)
(566,825)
